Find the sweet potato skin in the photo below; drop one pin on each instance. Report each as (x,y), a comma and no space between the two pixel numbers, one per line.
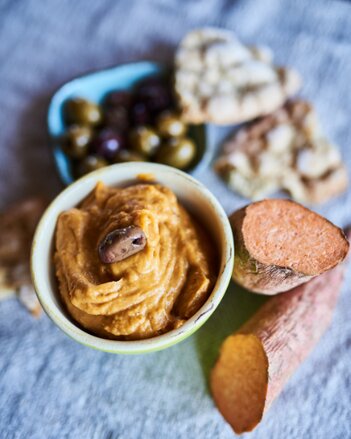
(288,326)
(267,278)
(257,277)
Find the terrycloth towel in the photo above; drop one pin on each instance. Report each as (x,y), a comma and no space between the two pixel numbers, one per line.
(51,387)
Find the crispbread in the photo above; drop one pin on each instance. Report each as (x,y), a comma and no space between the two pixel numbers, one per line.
(17,226)
(220,80)
(285,150)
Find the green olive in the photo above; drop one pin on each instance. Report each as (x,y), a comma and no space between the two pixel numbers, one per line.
(144,140)
(178,152)
(82,111)
(170,125)
(75,142)
(128,156)
(91,163)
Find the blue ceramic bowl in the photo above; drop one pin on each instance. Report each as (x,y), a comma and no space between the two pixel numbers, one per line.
(95,86)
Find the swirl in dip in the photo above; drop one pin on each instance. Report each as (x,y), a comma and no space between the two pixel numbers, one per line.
(148,293)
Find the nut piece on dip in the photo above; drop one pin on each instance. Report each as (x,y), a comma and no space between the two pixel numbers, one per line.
(148,291)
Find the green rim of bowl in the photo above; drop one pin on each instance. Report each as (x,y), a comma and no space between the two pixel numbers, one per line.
(169,338)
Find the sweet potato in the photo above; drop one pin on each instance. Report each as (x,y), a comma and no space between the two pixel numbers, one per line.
(256,361)
(280,244)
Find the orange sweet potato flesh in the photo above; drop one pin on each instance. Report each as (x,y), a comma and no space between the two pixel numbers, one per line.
(256,361)
(280,244)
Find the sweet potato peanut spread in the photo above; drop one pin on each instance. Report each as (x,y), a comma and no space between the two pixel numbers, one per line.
(151,291)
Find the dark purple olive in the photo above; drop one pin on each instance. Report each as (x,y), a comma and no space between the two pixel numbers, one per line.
(155,93)
(140,114)
(117,117)
(121,243)
(150,86)
(107,143)
(118,98)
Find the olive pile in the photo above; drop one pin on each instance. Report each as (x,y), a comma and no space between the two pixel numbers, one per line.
(138,125)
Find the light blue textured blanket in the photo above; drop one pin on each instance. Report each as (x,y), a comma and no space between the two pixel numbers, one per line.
(53,388)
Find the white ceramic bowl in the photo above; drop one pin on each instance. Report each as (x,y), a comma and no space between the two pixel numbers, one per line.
(191,193)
